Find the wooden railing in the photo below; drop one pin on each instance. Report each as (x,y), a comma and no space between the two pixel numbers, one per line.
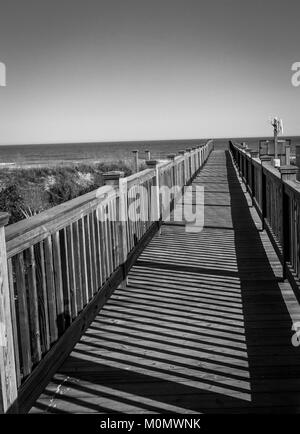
(276,196)
(58,268)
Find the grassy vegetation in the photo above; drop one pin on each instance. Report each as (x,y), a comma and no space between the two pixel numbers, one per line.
(26,192)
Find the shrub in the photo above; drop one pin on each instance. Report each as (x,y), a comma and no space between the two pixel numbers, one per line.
(11,201)
(26,192)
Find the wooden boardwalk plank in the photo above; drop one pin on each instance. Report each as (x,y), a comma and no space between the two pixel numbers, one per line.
(204,325)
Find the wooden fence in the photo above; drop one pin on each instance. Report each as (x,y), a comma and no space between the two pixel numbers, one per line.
(58,268)
(276,196)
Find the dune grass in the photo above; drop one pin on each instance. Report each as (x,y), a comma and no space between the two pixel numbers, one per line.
(25,192)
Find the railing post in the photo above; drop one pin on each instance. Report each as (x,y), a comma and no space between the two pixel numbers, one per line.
(116,179)
(148,155)
(265,159)
(171,157)
(287,155)
(188,150)
(198,157)
(135,161)
(240,163)
(254,154)
(245,168)
(155,202)
(194,149)
(8,391)
(184,166)
(288,173)
(298,161)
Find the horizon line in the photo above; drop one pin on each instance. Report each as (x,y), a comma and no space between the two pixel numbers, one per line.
(145,140)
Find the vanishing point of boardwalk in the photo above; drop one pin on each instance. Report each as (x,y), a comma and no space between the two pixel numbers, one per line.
(204,324)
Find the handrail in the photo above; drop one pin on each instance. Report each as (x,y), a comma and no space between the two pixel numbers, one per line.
(33,230)
(276,195)
(59,267)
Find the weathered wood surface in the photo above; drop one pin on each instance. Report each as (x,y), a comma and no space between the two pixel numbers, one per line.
(60,266)
(8,377)
(204,325)
(275,193)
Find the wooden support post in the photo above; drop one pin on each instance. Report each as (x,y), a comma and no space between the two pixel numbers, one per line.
(188,150)
(288,173)
(123,215)
(8,385)
(253,154)
(172,158)
(182,153)
(155,202)
(275,144)
(192,163)
(246,171)
(265,160)
(287,155)
(135,161)
(199,156)
(239,164)
(194,149)
(116,179)
(242,165)
(298,161)
(148,155)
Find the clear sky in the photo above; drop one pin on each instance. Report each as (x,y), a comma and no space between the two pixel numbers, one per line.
(101,70)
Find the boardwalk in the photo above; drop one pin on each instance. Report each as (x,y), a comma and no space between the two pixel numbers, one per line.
(203,326)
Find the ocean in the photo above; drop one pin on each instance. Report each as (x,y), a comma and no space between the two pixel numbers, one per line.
(72,153)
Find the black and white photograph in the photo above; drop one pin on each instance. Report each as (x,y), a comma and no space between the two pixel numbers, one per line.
(149,212)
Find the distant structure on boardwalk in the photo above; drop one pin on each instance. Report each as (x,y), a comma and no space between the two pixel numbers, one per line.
(298,161)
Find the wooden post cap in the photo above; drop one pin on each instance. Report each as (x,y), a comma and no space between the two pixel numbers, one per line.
(113,176)
(4,217)
(194,148)
(181,152)
(265,158)
(135,151)
(152,163)
(254,154)
(188,149)
(288,173)
(171,156)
